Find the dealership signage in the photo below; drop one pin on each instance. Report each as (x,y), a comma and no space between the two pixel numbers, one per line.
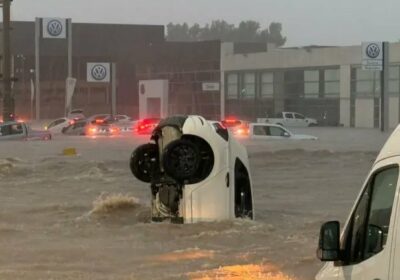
(54,28)
(372,56)
(210,86)
(98,72)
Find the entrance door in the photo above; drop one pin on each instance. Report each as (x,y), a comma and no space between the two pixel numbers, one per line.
(153,107)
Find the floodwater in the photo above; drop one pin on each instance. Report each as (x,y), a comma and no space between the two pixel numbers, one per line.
(87,217)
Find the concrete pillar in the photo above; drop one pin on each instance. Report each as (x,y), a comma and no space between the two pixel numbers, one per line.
(345,93)
(393,111)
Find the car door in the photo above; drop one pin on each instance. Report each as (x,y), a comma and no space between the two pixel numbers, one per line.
(300,120)
(259,131)
(12,132)
(289,119)
(276,132)
(368,236)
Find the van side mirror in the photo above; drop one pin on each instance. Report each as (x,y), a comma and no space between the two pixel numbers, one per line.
(329,245)
(374,239)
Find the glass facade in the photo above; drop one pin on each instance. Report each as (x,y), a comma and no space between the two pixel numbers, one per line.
(267,85)
(249,86)
(394,80)
(232,86)
(311,84)
(331,83)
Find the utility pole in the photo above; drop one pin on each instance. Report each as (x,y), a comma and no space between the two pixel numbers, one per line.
(8,98)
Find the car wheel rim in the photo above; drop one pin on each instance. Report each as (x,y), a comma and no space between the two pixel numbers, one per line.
(183,159)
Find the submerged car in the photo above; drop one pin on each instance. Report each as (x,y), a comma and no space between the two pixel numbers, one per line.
(58,125)
(101,129)
(146,126)
(197,172)
(273,131)
(75,128)
(238,127)
(20,131)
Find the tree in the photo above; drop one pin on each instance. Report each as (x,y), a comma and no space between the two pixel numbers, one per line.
(246,31)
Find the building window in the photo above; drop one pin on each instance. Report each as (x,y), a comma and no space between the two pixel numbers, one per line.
(267,85)
(249,86)
(232,92)
(311,84)
(394,80)
(332,83)
(367,82)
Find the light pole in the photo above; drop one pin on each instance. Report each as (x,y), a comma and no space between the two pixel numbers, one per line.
(21,72)
(8,99)
(32,72)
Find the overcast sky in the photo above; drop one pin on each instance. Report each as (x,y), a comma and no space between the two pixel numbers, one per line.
(305,22)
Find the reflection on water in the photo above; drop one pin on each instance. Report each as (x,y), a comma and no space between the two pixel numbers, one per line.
(242,272)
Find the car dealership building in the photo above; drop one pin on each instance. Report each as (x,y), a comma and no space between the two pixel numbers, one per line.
(213,79)
(326,83)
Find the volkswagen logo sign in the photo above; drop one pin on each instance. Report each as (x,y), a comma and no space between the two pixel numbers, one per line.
(54,28)
(99,72)
(373,50)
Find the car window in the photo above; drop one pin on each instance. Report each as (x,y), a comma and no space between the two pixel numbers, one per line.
(260,130)
(298,116)
(16,129)
(276,131)
(56,122)
(372,215)
(288,116)
(5,130)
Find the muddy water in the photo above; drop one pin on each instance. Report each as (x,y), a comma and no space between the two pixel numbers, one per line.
(86,217)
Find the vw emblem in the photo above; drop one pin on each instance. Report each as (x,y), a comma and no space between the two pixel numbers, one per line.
(99,72)
(54,28)
(373,50)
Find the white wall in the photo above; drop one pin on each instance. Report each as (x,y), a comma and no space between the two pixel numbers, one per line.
(364,112)
(153,89)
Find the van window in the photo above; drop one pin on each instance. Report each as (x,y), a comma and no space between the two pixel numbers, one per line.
(373,212)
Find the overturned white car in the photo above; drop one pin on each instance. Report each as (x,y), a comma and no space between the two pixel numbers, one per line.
(196,170)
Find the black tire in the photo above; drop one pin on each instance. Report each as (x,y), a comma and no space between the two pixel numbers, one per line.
(181,160)
(144,160)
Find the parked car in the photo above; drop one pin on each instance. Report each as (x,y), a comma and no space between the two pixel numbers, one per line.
(57,125)
(197,172)
(290,119)
(369,246)
(146,126)
(273,131)
(238,127)
(20,131)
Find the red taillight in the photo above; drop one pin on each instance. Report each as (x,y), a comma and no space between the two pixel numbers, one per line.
(99,121)
(71,122)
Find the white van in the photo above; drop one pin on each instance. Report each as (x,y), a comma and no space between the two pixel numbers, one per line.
(369,246)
